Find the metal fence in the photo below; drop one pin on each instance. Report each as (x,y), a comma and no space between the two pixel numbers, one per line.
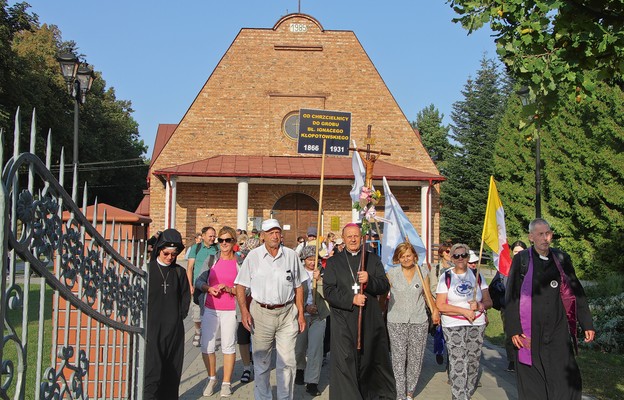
(84,335)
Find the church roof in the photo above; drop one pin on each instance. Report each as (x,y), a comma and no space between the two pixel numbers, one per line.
(162,137)
(290,167)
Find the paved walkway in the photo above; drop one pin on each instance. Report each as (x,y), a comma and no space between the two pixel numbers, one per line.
(496,382)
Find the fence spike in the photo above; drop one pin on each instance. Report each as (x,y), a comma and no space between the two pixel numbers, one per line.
(112,236)
(62,167)
(95,210)
(104,224)
(84,199)
(119,243)
(49,150)
(16,134)
(33,133)
(75,184)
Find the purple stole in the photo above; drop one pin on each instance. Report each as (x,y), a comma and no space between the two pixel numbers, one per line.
(526,311)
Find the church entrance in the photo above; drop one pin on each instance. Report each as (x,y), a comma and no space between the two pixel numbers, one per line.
(296,212)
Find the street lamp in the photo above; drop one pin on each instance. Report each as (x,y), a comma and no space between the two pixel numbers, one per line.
(523,92)
(79,77)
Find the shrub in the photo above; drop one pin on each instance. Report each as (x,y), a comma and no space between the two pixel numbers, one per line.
(608,313)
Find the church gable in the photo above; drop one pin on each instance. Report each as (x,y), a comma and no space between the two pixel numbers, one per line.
(267,75)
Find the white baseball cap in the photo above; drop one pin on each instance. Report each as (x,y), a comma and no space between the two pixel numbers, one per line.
(473,257)
(269,224)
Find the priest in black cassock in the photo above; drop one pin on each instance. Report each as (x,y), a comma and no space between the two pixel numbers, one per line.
(168,303)
(544,301)
(364,374)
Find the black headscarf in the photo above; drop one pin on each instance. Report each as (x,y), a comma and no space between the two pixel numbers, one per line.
(168,238)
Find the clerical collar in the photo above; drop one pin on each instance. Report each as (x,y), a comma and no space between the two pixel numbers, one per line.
(162,264)
(542,257)
(352,253)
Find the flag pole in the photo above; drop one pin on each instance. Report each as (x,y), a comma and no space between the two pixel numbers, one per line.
(318,222)
(474,293)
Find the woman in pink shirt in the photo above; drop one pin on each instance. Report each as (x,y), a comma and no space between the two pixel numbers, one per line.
(220,313)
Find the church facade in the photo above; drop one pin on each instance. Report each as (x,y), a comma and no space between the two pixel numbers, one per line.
(233,160)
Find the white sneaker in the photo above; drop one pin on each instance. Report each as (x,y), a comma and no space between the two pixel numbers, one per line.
(210,387)
(226,390)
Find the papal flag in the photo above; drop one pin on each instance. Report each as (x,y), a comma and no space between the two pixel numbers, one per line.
(397,227)
(494,231)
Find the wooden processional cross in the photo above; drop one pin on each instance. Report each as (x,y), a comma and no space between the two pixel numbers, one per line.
(369,159)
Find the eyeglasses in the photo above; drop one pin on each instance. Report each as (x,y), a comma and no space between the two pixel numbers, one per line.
(169,254)
(447,251)
(458,256)
(301,241)
(226,240)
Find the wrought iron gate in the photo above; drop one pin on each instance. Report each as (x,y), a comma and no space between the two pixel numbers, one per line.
(85,336)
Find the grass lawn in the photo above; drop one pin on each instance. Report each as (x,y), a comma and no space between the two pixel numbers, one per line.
(603,374)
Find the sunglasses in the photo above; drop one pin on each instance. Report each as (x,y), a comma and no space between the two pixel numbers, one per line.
(226,240)
(458,256)
(447,251)
(169,254)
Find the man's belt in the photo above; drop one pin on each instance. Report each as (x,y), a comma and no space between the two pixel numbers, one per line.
(272,306)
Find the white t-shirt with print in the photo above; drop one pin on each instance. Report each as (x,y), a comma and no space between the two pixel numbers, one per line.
(459,293)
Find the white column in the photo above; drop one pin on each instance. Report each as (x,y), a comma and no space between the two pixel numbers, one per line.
(425,219)
(167,202)
(243,203)
(174,194)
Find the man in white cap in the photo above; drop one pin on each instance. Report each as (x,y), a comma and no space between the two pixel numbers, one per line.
(274,274)
(473,260)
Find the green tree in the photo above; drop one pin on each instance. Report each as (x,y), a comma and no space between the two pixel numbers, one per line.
(12,20)
(584,175)
(474,130)
(111,153)
(434,136)
(583,179)
(514,172)
(560,49)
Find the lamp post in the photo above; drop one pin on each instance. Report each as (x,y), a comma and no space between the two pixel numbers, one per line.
(79,77)
(526,100)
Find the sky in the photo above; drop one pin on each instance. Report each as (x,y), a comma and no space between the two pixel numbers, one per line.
(158,54)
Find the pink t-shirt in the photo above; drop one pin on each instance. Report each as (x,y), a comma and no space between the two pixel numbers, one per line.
(224,271)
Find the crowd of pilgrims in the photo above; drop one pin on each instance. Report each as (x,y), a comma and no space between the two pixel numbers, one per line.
(405,303)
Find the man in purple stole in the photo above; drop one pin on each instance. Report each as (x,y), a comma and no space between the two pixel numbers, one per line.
(544,301)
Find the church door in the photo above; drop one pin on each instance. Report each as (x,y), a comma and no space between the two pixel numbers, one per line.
(296,212)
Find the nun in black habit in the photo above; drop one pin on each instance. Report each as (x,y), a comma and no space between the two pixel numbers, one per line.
(365,374)
(168,303)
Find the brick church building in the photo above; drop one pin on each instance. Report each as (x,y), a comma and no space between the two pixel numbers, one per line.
(233,160)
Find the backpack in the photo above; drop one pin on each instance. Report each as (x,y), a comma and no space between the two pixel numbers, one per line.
(447,277)
(208,263)
(497,292)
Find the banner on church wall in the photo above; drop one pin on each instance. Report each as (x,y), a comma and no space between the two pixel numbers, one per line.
(316,125)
